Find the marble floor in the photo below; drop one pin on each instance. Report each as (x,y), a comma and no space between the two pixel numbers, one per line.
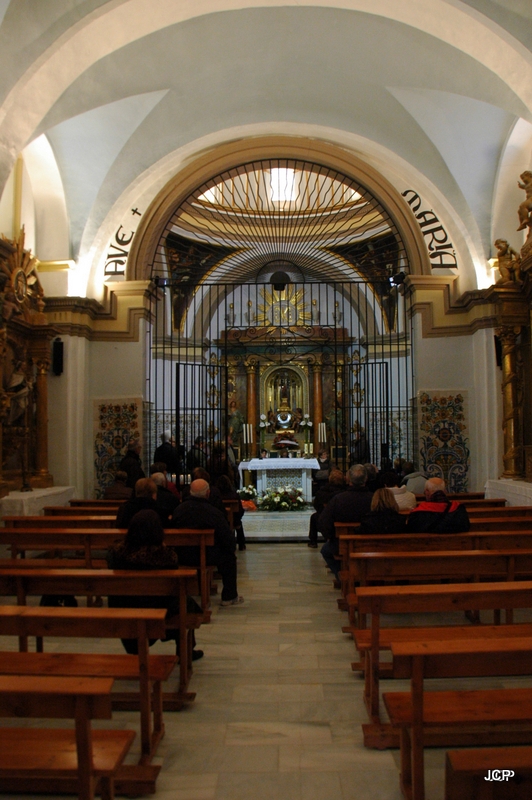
(278,710)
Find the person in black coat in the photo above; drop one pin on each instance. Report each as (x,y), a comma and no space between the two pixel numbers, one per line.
(384,516)
(228,492)
(324,495)
(131,464)
(145,499)
(143,548)
(199,513)
(167,453)
(349,506)
(437,514)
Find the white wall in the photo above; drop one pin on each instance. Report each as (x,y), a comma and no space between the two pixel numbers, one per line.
(467,364)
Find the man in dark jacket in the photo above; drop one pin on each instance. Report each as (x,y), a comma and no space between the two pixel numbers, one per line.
(349,506)
(335,485)
(437,514)
(145,499)
(198,513)
(167,453)
(131,464)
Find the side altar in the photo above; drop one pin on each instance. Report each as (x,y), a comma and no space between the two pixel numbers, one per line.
(274,473)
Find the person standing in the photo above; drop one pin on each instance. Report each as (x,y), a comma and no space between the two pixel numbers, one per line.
(131,463)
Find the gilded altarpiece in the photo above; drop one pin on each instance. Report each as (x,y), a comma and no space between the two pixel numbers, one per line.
(25,358)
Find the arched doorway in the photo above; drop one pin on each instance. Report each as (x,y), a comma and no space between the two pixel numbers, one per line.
(283,270)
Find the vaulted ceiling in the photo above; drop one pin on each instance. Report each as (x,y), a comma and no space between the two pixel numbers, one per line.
(436,94)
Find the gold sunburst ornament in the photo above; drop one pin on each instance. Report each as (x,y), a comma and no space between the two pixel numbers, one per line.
(285,307)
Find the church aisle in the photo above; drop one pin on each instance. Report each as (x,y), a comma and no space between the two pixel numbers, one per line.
(278,710)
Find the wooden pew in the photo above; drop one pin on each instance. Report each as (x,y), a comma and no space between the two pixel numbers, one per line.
(22,583)
(436,565)
(466,772)
(501,523)
(507,511)
(81,511)
(95,503)
(474,540)
(98,521)
(112,623)
(483,716)
(422,599)
(77,761)
(88,540)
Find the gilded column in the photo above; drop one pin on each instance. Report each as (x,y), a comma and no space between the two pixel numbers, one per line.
(252,411)
(41,417)
(513,455)
(317,391)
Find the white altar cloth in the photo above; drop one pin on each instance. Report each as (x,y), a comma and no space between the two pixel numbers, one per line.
(273,473)
(32,503)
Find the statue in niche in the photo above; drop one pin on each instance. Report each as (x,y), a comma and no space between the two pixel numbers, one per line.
(508,262)
(236,422)
(526,206)
(315,313)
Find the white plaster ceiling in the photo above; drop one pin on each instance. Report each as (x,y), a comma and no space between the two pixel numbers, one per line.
(118,87)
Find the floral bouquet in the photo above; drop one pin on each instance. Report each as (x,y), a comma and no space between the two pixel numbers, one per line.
(286,498)
(248,496)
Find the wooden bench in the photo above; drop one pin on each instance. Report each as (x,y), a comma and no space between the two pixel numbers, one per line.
(476,716)
(507,511)
(421,599)
(22,583)
(83,521)
(435,565)
(77,501)
(57,540)
(478,540)
(109,623)
(81,511)
(466,772)
(500,523)
(79,761)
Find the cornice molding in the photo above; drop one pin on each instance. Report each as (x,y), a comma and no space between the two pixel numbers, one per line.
(115,319)
(445,312)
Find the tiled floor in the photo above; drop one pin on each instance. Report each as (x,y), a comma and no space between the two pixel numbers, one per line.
(278,710)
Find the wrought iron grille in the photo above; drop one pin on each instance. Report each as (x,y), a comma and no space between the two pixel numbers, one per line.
(282,276)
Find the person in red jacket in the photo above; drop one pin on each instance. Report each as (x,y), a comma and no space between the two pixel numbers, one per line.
(437,514)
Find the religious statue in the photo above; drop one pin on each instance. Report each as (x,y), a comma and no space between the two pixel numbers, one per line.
(526,206)
(508,262)
(235,422)
(315,313)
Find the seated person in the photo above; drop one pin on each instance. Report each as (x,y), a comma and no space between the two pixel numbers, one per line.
(215,498)
(404,499)
(437,514)
(145,499)
(118,490)
(413,480)
(334,485)
(348,506)
(384,516)
(160,466)
(198,513)
(143,548)
(166,501)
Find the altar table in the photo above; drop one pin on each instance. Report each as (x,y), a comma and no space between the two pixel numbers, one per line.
(274,473)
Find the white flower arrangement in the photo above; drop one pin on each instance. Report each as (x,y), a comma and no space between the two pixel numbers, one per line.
(306,422)
(248,493)
(287,498)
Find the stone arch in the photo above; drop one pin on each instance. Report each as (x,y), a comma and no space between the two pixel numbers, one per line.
(234,153)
